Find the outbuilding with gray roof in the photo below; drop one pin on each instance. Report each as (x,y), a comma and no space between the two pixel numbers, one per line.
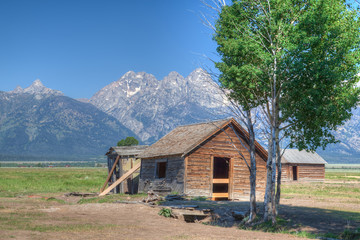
(302,165)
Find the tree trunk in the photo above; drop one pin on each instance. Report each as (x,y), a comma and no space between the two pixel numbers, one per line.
(267,197)
(278,168)
(270,211)
(252,168)
(273,176)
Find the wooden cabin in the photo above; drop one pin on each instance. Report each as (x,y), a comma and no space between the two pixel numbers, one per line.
(302,166)
(125,158)
(205,159)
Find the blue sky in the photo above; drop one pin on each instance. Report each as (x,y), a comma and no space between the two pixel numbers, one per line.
(80,46)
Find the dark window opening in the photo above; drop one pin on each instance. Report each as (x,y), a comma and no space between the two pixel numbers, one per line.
(220,187)
(161,170)
(295,173)
(221,167)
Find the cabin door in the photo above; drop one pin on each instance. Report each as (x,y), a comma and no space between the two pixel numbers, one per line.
(295,173)
(220,182)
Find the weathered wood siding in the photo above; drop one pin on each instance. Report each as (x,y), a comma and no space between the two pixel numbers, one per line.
(125,163)
(311,172)
(173,182)
(306,172)
(285,173)
(130,185)
(199,167)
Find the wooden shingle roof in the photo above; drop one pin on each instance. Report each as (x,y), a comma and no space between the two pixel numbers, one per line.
(301,157)
(127,150)
(184,139)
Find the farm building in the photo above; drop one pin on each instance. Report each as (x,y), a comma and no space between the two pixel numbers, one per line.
(121,160)
(302,165)
(201,160)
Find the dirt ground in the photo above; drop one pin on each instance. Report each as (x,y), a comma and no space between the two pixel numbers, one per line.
(61,217)
(118,221)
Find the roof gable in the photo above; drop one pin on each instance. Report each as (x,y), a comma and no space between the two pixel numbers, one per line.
(184,139)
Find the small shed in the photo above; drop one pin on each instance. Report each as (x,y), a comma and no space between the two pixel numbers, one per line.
(202,160)
(302,165)
(125,158)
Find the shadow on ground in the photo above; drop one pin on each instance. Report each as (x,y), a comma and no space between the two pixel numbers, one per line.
(314,220)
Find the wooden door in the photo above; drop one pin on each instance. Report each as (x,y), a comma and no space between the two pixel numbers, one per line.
(221,178)
(295,172)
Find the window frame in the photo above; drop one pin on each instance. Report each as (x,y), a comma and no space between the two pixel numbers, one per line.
(157,168)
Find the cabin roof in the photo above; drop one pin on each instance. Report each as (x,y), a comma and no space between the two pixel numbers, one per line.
(304,157)
(127,150)
(184,139)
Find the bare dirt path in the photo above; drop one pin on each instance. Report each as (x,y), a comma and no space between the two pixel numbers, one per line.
(117,221)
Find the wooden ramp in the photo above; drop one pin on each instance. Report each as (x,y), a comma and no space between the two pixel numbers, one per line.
(123,177)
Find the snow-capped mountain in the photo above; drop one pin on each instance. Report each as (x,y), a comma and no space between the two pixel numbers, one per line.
(37,88)
(151,108)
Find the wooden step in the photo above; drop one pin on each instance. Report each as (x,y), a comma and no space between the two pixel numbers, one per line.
(220,195)
(221,180)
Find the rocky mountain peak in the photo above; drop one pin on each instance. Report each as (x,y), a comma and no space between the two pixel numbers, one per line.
(172,80)
(129,74)
(18,89)
(140,78)
(198,74)
(38,88)
(174,74)
(37,83)
(150,108)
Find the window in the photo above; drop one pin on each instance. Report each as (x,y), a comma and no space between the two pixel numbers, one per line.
(160,169)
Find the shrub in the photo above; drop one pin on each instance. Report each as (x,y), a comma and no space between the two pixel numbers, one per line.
(166,212)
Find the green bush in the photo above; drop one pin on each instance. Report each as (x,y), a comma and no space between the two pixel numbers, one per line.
(166,212)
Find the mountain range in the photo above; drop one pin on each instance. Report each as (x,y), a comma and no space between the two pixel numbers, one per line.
(151,108)
(39,120)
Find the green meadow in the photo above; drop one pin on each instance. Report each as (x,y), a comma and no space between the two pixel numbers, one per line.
(26,181)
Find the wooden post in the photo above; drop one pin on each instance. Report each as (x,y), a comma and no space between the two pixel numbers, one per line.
(118,174)
(110,173)
(230,185)
(120,180)
(131,178)
(185,173)
(211,176)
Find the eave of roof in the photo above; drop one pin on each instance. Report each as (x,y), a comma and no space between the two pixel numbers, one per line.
(127,150)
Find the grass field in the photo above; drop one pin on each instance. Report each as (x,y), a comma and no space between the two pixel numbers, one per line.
(338,198)
(27,181)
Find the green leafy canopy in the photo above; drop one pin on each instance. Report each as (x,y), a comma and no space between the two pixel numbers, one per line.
(129,141)
(316,47)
